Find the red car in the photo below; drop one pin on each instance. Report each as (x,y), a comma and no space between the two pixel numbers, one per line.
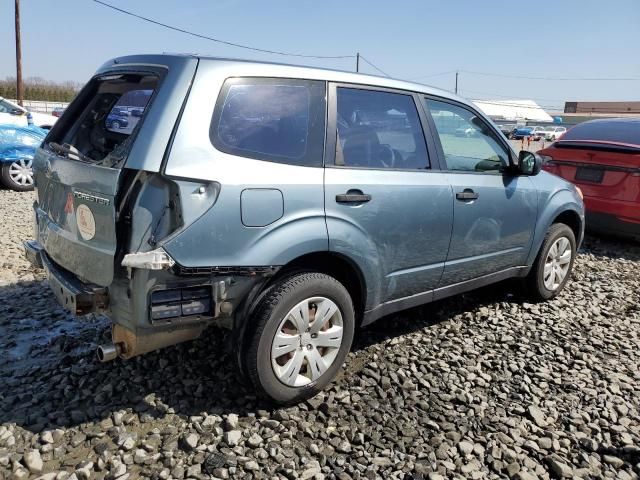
(602,157)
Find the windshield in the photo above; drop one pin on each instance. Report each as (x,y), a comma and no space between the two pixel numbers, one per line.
(8,107)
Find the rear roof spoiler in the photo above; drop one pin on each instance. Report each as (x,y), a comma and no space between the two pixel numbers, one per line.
(599,145)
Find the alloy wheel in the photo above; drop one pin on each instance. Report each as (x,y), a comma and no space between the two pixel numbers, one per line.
(307,341)
(21,172)
(556,265)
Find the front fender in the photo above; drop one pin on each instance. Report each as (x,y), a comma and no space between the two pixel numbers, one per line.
(554,203)
(351,241)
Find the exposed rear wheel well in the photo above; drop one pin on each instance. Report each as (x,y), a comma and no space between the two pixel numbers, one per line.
(572,220)
(335,265)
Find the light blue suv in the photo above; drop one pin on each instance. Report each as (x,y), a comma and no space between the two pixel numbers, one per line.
(291,205)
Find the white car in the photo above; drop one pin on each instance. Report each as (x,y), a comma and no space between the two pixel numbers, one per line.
(13,114)
(538,132)
(553,133)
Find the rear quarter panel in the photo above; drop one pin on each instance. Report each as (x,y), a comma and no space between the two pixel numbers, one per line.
(294,223)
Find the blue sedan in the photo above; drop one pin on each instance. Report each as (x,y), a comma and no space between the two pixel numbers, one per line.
(116,121)
(522,132)
(17,148)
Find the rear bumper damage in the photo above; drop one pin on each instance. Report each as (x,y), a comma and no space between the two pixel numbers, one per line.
(150,308)
(74,295)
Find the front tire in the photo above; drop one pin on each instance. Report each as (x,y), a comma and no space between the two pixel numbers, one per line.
(303,329)
(554,263)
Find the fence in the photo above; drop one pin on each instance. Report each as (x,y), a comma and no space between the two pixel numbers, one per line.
(41,106)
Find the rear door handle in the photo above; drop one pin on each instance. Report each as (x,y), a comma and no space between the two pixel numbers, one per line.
(353,197)
(467,195)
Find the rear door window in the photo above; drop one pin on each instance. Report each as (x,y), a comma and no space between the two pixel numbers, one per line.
(278,120)
(379,129)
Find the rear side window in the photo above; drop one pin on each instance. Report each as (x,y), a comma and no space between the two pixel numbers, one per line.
(278,120)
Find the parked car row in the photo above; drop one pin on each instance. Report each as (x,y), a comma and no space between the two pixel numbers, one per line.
(514,132)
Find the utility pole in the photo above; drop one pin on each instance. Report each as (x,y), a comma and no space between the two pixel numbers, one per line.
(456,82)
(19,85)
(357,61)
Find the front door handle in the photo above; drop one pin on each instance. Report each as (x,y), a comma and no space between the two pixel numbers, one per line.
(467,195)
(353,197)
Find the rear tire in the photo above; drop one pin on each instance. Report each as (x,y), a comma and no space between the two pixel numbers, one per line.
(554,263)
(289,356)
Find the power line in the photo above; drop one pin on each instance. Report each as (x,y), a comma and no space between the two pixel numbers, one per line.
(526,77)
(432,75)
(379,70)
(224,42)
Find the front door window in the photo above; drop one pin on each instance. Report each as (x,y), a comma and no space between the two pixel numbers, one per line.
(468,143)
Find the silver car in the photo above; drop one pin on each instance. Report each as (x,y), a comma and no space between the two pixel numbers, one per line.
(291,205)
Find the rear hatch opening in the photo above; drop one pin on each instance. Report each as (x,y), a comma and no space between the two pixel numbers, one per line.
(80,174)
(99,129)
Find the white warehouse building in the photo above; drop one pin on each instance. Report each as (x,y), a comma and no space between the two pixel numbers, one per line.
(514,110)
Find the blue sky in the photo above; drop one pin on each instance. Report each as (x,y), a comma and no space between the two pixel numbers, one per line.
(410,39)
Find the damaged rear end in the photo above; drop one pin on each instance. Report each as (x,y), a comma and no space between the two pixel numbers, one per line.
(104,208)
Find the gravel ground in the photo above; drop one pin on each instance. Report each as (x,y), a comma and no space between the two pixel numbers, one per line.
(483,385)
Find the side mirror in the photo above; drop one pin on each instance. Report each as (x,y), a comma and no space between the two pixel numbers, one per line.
(529,163)
(16,111)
